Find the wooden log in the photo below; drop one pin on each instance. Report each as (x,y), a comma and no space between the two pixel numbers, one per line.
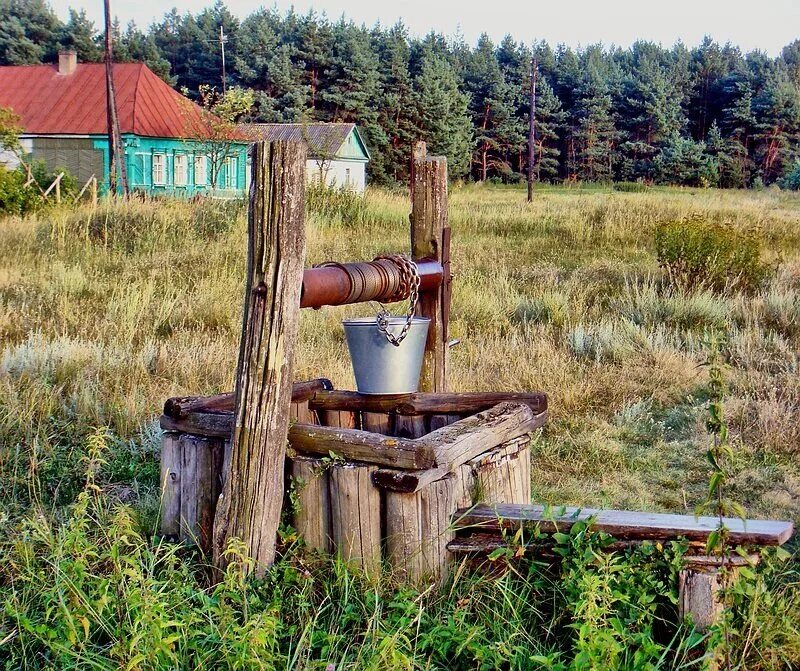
(438,421)
(625,524)
(364,446)
(504,474)
(410,426)
(170,485)
(312,439)
(180,406)
(470,437)
(344,419)
(420,403)
(377,422)
(250,505)
(429,240)
(201,424)
(356,516)
(312,511)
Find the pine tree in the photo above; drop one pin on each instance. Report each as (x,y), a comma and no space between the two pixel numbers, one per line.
(776,108)
(80,34)
(549,121)
(649,110)
(133,46)
(266,62)
(595,134)
(443,113)
(397,108)
(492,110)
(27,32)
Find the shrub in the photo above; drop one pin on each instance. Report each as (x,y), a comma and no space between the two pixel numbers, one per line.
(697,252)
(344,206)
(792,180)
(631,187)
(15,197)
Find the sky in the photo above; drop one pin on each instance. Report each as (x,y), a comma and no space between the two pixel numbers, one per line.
(766,25)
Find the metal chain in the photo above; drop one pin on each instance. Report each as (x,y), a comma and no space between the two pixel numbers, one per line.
(409,280)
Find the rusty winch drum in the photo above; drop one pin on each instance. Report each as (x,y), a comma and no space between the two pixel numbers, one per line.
(379,366)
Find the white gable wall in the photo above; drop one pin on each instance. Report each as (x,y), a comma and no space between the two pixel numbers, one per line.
(338,173)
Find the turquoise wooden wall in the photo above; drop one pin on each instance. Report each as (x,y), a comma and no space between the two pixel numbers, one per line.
(139,162)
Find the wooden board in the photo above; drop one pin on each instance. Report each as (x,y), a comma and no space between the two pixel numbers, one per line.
(422,403)
(625,524)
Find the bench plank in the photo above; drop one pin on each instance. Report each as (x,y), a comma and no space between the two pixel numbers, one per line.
(623,524)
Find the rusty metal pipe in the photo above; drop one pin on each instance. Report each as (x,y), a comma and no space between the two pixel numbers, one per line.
(331,285)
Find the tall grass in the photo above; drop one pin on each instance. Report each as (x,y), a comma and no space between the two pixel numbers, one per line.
(104,314)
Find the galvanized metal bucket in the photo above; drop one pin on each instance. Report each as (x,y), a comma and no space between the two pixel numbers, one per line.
(379,366)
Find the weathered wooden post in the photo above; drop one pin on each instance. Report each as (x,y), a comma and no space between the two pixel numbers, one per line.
(430,238)
(250,506)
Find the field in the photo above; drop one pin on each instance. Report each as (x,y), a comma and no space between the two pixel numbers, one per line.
(105,314)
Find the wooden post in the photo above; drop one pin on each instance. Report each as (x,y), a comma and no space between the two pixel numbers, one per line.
(430,238)
(250,506)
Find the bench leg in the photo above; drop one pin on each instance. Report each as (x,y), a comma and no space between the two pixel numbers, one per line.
(700,584)
(699,588)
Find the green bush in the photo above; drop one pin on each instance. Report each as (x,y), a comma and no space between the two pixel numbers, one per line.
(15,197)
(631,187)
(792,180)
(697,252)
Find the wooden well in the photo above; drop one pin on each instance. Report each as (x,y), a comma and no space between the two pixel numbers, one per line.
(373,479)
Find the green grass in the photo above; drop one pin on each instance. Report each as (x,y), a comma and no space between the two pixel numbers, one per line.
(104,315)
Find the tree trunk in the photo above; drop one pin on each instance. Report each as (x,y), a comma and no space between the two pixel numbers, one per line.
(250,506)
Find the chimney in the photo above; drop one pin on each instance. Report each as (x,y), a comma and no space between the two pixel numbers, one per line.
(67,62)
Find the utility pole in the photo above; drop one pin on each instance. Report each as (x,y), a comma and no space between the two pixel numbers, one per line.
(223,38)
(115,150)
(532,129)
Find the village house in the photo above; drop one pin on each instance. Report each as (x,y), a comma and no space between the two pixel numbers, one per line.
(337,154)
(166,140)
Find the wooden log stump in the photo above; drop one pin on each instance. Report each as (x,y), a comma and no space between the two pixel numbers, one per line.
(312,505)
(250,505)
(356,516)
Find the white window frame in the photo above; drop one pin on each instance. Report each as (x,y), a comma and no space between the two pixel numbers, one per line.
(231,170)
(201,162)
(162,165)
(182,177)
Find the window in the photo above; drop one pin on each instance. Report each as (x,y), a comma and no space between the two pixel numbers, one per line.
(181,170)
(158,168)
(230,172)
(347,176)
(200,177)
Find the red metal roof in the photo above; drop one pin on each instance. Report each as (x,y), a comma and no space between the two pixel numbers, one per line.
(50,103)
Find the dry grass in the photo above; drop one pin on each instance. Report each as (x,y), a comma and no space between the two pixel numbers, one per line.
(103,316)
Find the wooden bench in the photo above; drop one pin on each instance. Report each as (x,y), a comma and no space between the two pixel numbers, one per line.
(482,529)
